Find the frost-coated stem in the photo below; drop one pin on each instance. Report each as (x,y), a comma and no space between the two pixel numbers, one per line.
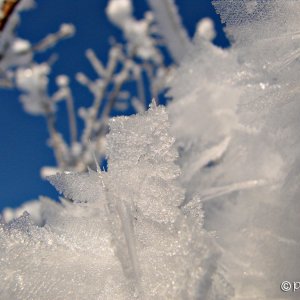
(141,88)
(65,31)
(112,98)
(96,63)
(111,101)
(54,136)
(99,97)
(86,136)
(71,115)
(150,73)
(170,27)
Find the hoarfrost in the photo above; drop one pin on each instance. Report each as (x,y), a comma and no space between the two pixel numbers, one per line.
(248,183)
(31,207)
(123,234)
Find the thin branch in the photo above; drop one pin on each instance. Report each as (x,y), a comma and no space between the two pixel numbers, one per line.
(96,63)
(171,28)
(65,31)
(112,65)
(54,135)
(111,102)
(140,87)
(150,73)
(71,115)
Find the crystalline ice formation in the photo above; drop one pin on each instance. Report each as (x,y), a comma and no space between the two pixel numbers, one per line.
(203,110)
(137,32)
(126,235)
(32,207)
(248,184)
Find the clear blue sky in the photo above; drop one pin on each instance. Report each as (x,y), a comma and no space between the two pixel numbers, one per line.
(23,149)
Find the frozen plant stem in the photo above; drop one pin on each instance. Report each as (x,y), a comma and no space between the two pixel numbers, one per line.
(150,73)
(109,72)
(54,135)
(65,31)
(114,94)
(140,87)
(71,115)
(96,63)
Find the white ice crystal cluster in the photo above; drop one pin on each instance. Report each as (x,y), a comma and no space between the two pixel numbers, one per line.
(236,117)
(14,51)
(124,234)
(31,207)
(31,78)
(137,32)
(33,81)
(203,110)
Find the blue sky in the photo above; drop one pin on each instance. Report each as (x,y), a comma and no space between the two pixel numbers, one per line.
(23,149)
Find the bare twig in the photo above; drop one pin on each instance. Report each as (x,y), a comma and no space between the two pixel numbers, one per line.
(54,135)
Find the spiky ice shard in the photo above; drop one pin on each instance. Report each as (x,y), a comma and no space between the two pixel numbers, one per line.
(126,235)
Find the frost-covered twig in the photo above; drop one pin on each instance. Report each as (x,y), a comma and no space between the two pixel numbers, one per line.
(19,70)
(170,27)
(99,91)
(65,92)
(65,31)
(56,141)
(137,60)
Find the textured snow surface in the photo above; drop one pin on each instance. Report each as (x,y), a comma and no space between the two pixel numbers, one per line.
(122,235)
